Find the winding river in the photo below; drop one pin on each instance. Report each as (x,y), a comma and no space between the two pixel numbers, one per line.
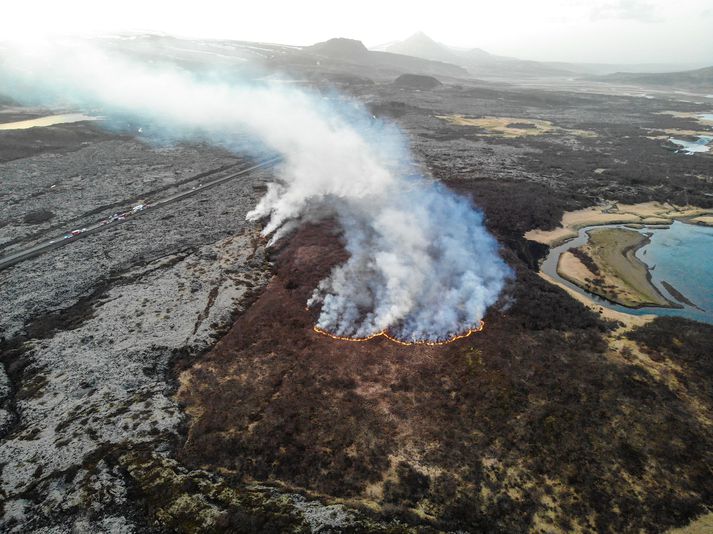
(681,255)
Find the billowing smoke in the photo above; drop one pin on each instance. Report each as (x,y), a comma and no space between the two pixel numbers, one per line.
(421,264)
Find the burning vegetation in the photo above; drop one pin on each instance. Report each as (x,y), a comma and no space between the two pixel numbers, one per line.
(388,336)
(485,432)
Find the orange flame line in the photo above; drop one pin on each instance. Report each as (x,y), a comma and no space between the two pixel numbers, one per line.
(385,334)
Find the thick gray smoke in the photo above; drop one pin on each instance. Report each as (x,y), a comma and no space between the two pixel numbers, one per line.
(421,265)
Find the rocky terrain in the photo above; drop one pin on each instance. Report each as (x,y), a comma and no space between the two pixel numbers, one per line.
(162,375)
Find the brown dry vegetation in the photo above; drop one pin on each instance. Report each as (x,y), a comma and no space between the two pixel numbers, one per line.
(528,425)
(512,126)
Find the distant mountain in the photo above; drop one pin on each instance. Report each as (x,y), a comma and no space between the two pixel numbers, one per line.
(478,62)
(355,52)
(338,59)
(483,64)
(344,59)
(691,79)
(421,45)
(349,49)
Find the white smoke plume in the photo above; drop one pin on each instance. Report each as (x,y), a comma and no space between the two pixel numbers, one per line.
(421,264)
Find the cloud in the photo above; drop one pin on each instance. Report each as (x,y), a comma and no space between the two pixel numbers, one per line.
(636,10)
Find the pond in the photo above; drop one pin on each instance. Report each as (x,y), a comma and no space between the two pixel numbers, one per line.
(680,260)
(691,147)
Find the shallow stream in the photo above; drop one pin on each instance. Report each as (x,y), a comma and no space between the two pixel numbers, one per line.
(681,255)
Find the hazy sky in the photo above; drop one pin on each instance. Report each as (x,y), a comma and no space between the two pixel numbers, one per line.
(621,31)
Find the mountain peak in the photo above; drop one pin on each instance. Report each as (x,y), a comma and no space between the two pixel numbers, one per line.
(420,35)
(421,45)
(421,39)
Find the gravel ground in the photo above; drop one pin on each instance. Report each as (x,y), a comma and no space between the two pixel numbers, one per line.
(99,321)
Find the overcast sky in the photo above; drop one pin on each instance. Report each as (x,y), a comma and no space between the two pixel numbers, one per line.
(619,31)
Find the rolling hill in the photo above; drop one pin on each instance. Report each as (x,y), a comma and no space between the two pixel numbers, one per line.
(691,79)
